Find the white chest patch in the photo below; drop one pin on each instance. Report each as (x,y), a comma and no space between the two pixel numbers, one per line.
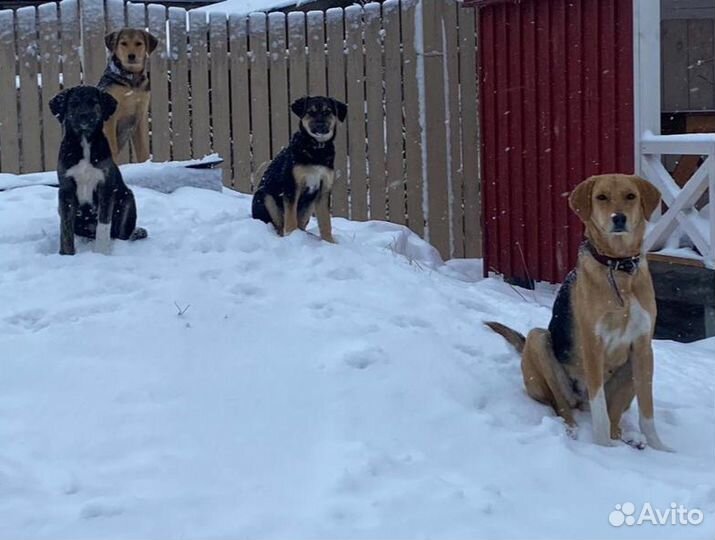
(85,175)
(313,175)
(614,334)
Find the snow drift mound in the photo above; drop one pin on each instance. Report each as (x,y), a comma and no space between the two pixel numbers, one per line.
(216,380)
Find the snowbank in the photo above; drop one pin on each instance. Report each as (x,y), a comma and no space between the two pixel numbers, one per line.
(164,177)
(216,381)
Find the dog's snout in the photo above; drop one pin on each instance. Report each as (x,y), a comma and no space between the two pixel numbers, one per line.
(132,57)
(619,222)
(320,126)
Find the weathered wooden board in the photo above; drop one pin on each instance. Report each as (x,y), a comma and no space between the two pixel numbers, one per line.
(470,134)
(397,208)
(355,70)
(240,104)
(9,137)
(260,108)
(179,63)
(27,55)
(199,66)
(160,129)
(412,119)
(336,89)
(375,112)
(50,54)
(220,108)
(298,68)
(280,127)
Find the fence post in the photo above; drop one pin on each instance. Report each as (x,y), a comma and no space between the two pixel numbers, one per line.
(435,136)
(413,118)
(471,146)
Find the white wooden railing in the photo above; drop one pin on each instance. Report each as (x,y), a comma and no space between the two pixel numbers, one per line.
(681,202)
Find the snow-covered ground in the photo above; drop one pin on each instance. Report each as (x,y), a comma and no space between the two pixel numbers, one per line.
(308,390)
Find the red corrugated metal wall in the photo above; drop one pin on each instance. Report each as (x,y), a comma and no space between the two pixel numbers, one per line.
(556,81)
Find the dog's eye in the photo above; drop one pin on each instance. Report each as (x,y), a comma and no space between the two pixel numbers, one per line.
(138,44)
(601,197)
(631,196)
(124,44)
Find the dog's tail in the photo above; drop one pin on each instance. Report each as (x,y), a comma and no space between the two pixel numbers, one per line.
(138,234)
(516,339)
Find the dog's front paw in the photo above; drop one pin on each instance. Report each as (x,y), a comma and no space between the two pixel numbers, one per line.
(634,439)
(330,239)
(67,251)
(138,234)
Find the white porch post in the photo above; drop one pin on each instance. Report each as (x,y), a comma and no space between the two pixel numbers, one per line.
(646,74)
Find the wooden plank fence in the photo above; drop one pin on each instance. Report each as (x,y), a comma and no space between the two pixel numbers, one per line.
(408,152)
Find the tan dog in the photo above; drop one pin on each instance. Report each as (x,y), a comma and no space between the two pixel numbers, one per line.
(126,80)
(598,345)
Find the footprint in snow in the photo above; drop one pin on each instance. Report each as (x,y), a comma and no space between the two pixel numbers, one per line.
(410,322)
(246,290)
(344,274)
(210,245)
(471,305)
(364,358)
(467,349)
(78,313)
(99,509)
(321,310)
(249,247)
(31,319)
(210,275)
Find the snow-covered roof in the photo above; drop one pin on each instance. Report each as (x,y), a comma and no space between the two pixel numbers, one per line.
(243,7)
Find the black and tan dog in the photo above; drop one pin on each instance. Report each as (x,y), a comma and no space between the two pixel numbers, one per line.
(300,178)
(598,345)
(126,80)
(94,201)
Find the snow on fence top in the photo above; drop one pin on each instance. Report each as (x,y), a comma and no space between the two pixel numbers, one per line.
(244,7)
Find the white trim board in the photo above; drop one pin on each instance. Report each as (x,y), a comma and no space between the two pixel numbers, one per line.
(646,74)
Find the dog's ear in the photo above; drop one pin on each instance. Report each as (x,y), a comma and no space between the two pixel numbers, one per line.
(58,104)
(580,199)
(110,40)
(298,106)
(151,42)
(650,196)
(109,105)
(341,110)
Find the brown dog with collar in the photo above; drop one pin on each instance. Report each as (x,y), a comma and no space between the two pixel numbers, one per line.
(597,348)
(126,80)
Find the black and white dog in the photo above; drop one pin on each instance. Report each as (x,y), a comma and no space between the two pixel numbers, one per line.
(94,201)
(300,178)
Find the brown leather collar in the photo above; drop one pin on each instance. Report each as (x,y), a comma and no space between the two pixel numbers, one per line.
(629,265)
